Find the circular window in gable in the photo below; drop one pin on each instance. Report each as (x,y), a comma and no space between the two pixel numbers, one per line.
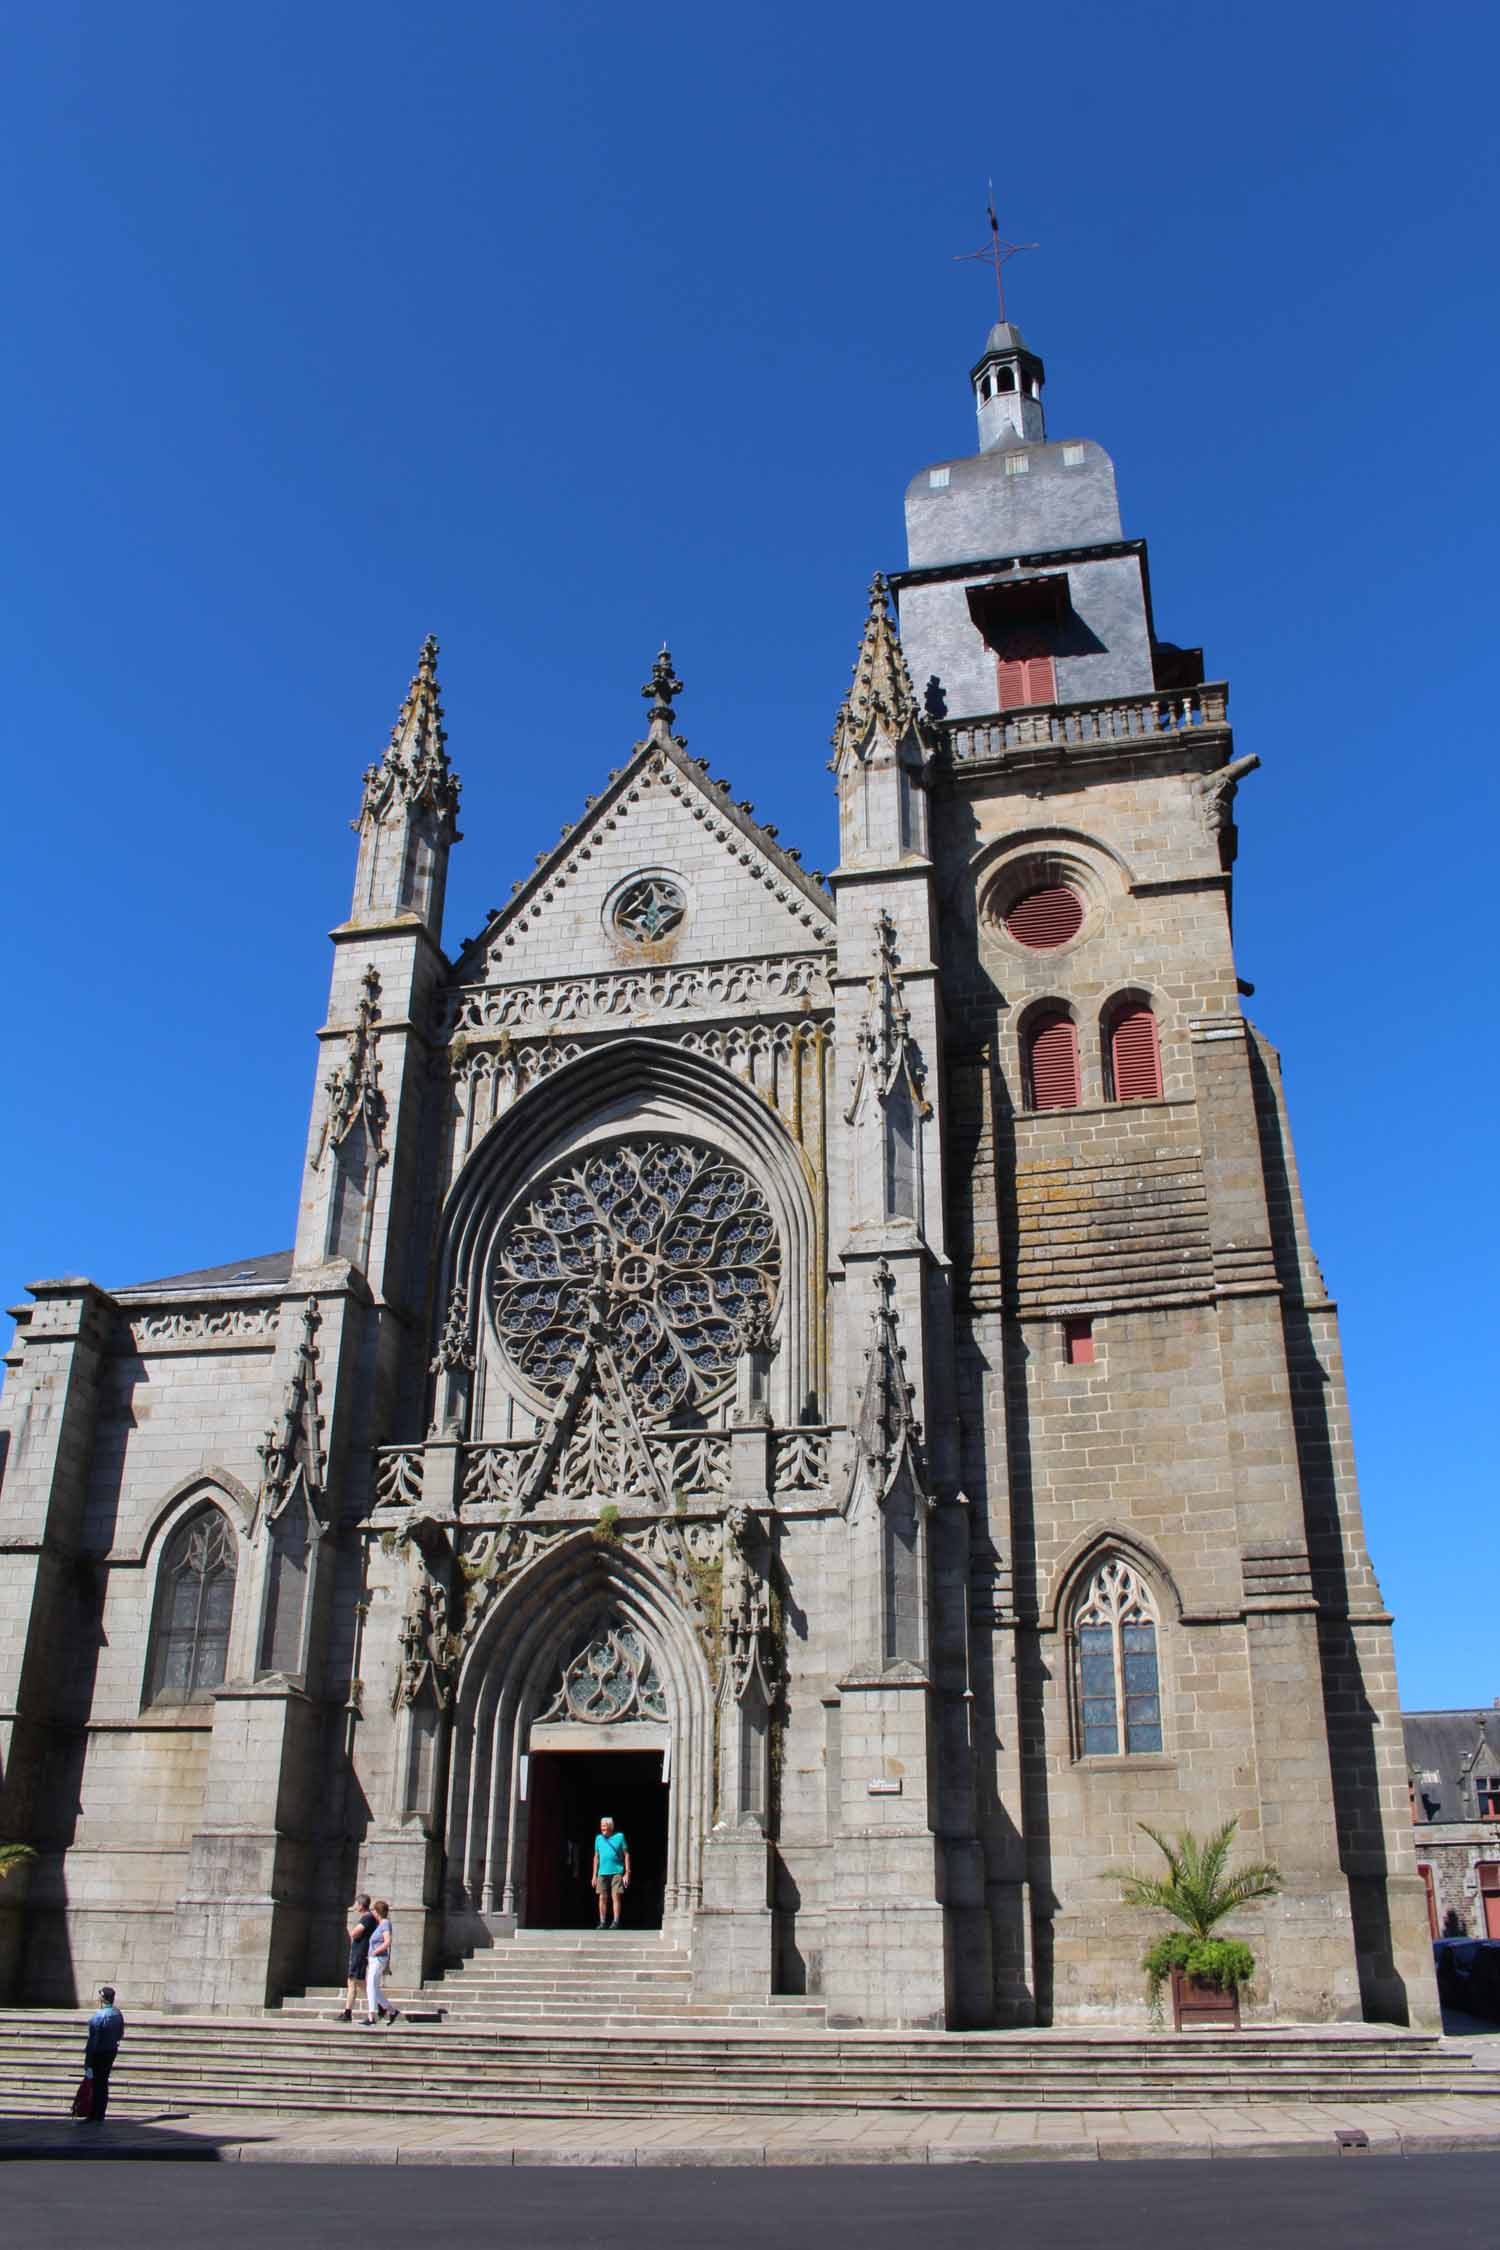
(1045,917)
(648,908)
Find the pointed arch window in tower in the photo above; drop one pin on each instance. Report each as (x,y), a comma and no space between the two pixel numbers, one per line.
(1117,1682)
(194,1604)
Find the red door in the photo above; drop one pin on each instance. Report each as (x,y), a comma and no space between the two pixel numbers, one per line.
(544,1843)
(1489,1891)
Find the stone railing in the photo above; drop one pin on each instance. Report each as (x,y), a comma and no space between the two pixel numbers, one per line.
(398,1476)
(693,1465)
(799,1460)
(1143,718)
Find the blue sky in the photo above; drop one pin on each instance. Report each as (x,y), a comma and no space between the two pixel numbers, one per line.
(557,331)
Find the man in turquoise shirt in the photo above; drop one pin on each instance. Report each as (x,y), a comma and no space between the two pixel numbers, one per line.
(611,1870)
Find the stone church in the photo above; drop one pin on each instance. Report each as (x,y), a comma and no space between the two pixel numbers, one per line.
(831,1372)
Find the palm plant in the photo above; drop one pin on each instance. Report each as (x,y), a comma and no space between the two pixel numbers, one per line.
(11,1856)
(1197,1890)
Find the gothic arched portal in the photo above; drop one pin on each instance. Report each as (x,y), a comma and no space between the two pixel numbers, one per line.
(508,1684)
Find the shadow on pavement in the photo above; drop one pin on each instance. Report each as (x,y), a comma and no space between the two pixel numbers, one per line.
(154,2138)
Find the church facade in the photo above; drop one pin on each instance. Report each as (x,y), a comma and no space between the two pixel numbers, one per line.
(832,1373)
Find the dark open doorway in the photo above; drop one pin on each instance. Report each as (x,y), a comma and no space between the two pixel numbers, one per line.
(568,1792)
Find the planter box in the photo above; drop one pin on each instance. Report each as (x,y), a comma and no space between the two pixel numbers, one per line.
(1197,2006)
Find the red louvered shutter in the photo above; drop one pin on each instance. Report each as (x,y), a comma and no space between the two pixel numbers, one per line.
(1054,1063)
(1046,917)
(1025,679)
(1041,680)
(1134,1058)
(1011,684)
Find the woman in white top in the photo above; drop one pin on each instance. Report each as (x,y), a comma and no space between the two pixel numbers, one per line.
(378,1965)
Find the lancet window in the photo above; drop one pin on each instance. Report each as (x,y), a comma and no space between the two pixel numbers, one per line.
(189,1652)
(1118,1683)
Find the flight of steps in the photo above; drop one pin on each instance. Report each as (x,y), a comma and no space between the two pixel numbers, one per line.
(616,1982)
(295,2065)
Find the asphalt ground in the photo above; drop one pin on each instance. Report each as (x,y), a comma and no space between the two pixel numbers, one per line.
(1295,2203)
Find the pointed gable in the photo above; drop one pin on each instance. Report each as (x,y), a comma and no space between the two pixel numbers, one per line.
(661,822)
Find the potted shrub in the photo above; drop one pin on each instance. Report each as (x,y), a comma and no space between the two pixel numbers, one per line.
(1206,1973)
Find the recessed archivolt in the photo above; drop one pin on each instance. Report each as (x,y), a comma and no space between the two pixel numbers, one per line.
(506,1680)
(639,1086)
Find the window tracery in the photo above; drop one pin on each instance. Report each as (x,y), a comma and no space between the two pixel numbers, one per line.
(612,1677)
(194,1604)
(649,908)
(1118,1676)
(685,1243)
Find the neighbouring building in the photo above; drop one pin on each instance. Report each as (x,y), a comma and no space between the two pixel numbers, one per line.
(835,1368)
(1453,1774)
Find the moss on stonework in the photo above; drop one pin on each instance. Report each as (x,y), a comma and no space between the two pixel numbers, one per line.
(708,1584)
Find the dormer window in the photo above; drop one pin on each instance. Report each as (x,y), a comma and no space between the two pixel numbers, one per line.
(1487,1795)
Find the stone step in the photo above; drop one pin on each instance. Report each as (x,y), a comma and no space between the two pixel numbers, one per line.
(270,2030)
(401,2059)
(47,2029)
(400,2056)
(206,2090)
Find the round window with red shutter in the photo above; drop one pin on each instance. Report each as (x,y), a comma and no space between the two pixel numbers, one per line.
(1045,917)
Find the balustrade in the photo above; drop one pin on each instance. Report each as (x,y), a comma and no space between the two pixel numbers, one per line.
(1066,725)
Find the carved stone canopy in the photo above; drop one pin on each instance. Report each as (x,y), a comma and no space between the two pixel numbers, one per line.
(354,1094)
(887,1434)
(887,1052)
(881,701)
(415,771)
(291,1452)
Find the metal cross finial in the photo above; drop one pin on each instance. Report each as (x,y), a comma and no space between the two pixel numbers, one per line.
(997,252)
(662,686)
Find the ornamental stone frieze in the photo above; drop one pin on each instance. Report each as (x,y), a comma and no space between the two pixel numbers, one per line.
(788,1063)
(693,1466)
(722,988)
(205,1327)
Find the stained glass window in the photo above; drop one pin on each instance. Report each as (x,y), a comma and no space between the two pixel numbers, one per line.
(1118,1682)
(649,908)
(683,1241)
(194,1604)
(613,1676)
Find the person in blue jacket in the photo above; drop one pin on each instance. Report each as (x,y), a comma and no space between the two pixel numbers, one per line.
(106,2030)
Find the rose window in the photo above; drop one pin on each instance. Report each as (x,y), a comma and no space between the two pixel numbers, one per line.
(648,908)
(680,1240)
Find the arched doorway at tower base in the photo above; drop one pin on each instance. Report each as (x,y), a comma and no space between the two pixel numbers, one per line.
(569,1791)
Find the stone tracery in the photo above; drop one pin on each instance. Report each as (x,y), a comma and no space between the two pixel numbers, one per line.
(684,1240)
(613,1676)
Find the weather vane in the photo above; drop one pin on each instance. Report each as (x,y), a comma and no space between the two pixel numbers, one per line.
(996,253)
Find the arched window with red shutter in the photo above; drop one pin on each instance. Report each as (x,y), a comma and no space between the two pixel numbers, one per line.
(1051,1060)
(1133,1054)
